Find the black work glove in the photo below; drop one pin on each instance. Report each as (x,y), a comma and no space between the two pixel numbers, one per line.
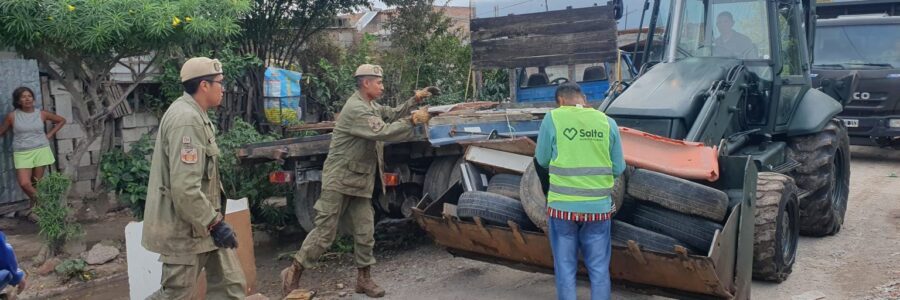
(223,236)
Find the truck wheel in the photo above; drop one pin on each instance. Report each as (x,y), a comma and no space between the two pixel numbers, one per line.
(305,197)
(696,232)
(492,208)
(776,233)
(648,240)
(506,185)
(678,194)
(824,174)
(443,173)
(534,197)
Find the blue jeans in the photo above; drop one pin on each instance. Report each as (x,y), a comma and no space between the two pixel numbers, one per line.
(593,238)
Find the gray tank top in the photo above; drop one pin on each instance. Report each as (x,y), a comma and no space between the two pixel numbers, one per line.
(28,131)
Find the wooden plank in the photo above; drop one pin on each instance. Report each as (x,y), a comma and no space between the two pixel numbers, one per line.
(546,45)
(541,27)
(550,60)
(520,145)
(556,16)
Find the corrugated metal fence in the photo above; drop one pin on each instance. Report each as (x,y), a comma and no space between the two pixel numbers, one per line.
(13,74)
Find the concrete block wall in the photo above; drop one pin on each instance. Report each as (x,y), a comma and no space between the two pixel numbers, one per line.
(133,127)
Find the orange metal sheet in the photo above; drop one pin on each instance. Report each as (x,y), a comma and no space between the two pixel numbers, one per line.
(689,160)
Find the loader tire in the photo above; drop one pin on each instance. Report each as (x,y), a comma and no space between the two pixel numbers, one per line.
(824,175)
(648,240)
(506,185)
(443,173)
(305,197)
(493,209)
(697,233)
(776,230)
(534,195)
(678,194)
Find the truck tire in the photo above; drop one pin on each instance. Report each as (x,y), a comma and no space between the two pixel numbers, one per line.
(442,173)
(697,233)
(506,185)
(305,197)
(534,196)
(648,240)
(824,174)
(494,209)
(678,194)
(776,233)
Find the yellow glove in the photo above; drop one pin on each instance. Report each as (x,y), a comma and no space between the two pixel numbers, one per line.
(427,92)
(421,116)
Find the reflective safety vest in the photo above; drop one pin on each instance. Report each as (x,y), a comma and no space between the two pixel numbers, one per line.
(582,169)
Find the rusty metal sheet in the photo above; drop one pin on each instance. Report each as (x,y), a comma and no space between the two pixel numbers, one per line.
(520,145)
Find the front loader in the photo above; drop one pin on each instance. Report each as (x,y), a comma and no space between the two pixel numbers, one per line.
(746,123)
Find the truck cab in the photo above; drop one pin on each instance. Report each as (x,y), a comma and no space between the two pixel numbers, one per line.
(861,39)
(538,84)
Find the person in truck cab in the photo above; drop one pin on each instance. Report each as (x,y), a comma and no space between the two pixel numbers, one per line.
(731,43)
(581,148)
(355,157)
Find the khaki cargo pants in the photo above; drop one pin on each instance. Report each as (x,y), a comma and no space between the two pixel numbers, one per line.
(333,208)
(224,276)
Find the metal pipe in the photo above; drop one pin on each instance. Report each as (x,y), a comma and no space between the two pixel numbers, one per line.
(640,28)
(650,32)
(674,32)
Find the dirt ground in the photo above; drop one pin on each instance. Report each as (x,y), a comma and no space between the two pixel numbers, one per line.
(861,262)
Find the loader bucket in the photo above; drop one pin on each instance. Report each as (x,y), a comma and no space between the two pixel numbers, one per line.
(723,273)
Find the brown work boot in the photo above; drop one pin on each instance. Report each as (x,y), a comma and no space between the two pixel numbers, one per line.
(364,284)
(290,278)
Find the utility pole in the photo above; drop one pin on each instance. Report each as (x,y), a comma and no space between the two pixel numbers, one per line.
(546,8)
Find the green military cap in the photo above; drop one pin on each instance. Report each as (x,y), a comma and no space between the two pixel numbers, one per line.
(199,67)
(369,70)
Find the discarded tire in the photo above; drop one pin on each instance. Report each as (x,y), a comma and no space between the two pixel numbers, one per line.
(305,197)
(506,185)
(824,173)
(678,194)
(776,232)
(492,208)
(697,233)
(534,197)
(648,240)
(443,172)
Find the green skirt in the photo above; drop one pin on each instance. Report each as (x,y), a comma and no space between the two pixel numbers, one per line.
(33,158)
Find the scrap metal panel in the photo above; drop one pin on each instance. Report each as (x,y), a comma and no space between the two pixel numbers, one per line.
(13,74)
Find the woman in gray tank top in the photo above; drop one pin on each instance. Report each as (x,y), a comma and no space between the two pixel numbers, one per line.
(31,145)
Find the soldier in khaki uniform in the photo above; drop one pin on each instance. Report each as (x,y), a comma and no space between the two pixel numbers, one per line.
(183,217)
(354,157)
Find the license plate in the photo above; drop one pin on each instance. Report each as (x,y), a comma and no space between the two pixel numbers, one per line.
(851,122)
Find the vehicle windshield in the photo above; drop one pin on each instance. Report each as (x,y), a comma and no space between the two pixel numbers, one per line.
(723,28)
(858,46)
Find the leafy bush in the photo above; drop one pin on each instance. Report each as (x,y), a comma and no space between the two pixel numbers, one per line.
(73,268)
(127,174)
(251,181)
(52,211)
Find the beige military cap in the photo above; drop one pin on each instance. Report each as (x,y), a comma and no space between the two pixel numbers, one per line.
(199,67)
(369,70)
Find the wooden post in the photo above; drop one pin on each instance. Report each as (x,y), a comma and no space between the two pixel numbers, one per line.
(479,84)
(513,83)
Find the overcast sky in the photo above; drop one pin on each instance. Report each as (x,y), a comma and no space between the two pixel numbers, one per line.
(486,8)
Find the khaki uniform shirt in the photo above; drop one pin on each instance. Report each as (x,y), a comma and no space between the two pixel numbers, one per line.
(357,144)
(183,195)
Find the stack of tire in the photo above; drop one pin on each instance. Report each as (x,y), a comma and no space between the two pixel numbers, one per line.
(498,205)
(675,211)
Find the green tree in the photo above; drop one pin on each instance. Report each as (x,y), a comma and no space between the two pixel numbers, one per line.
(79,42)
(277,30)
(425,50)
